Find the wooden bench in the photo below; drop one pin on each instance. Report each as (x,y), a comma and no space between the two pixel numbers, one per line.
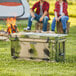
(60,28)
(39,26)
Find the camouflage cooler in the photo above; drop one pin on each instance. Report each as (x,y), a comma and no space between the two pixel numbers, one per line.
(38,46)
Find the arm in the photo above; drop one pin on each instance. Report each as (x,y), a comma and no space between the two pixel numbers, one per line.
(55,11)
(32,10)
(55,14)
(64,10)
(45,12)
(32,13)
(56,17)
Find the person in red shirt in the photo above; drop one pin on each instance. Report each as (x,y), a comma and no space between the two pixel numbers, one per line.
(61,14)
(41,14)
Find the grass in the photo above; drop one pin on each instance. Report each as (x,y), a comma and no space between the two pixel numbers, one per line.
(11,67)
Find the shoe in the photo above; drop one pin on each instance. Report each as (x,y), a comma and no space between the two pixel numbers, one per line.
(14,57)
(61,54)
(28,28)
(65,31)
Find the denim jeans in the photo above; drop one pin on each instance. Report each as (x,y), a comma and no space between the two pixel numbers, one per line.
(63,19)
(37,17)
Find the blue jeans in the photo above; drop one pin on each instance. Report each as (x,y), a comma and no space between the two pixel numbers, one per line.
(37,17)
(63,19)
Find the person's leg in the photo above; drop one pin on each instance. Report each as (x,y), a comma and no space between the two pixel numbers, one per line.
(29,22)
(64,19)
(45,22)
(53,25)
(37,17)
(30,19)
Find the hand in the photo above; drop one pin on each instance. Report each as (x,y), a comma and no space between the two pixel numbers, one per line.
(56,19)
(33,15)
(41,19)
(59,18)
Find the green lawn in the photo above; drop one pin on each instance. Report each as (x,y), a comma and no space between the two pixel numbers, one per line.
(11,67)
